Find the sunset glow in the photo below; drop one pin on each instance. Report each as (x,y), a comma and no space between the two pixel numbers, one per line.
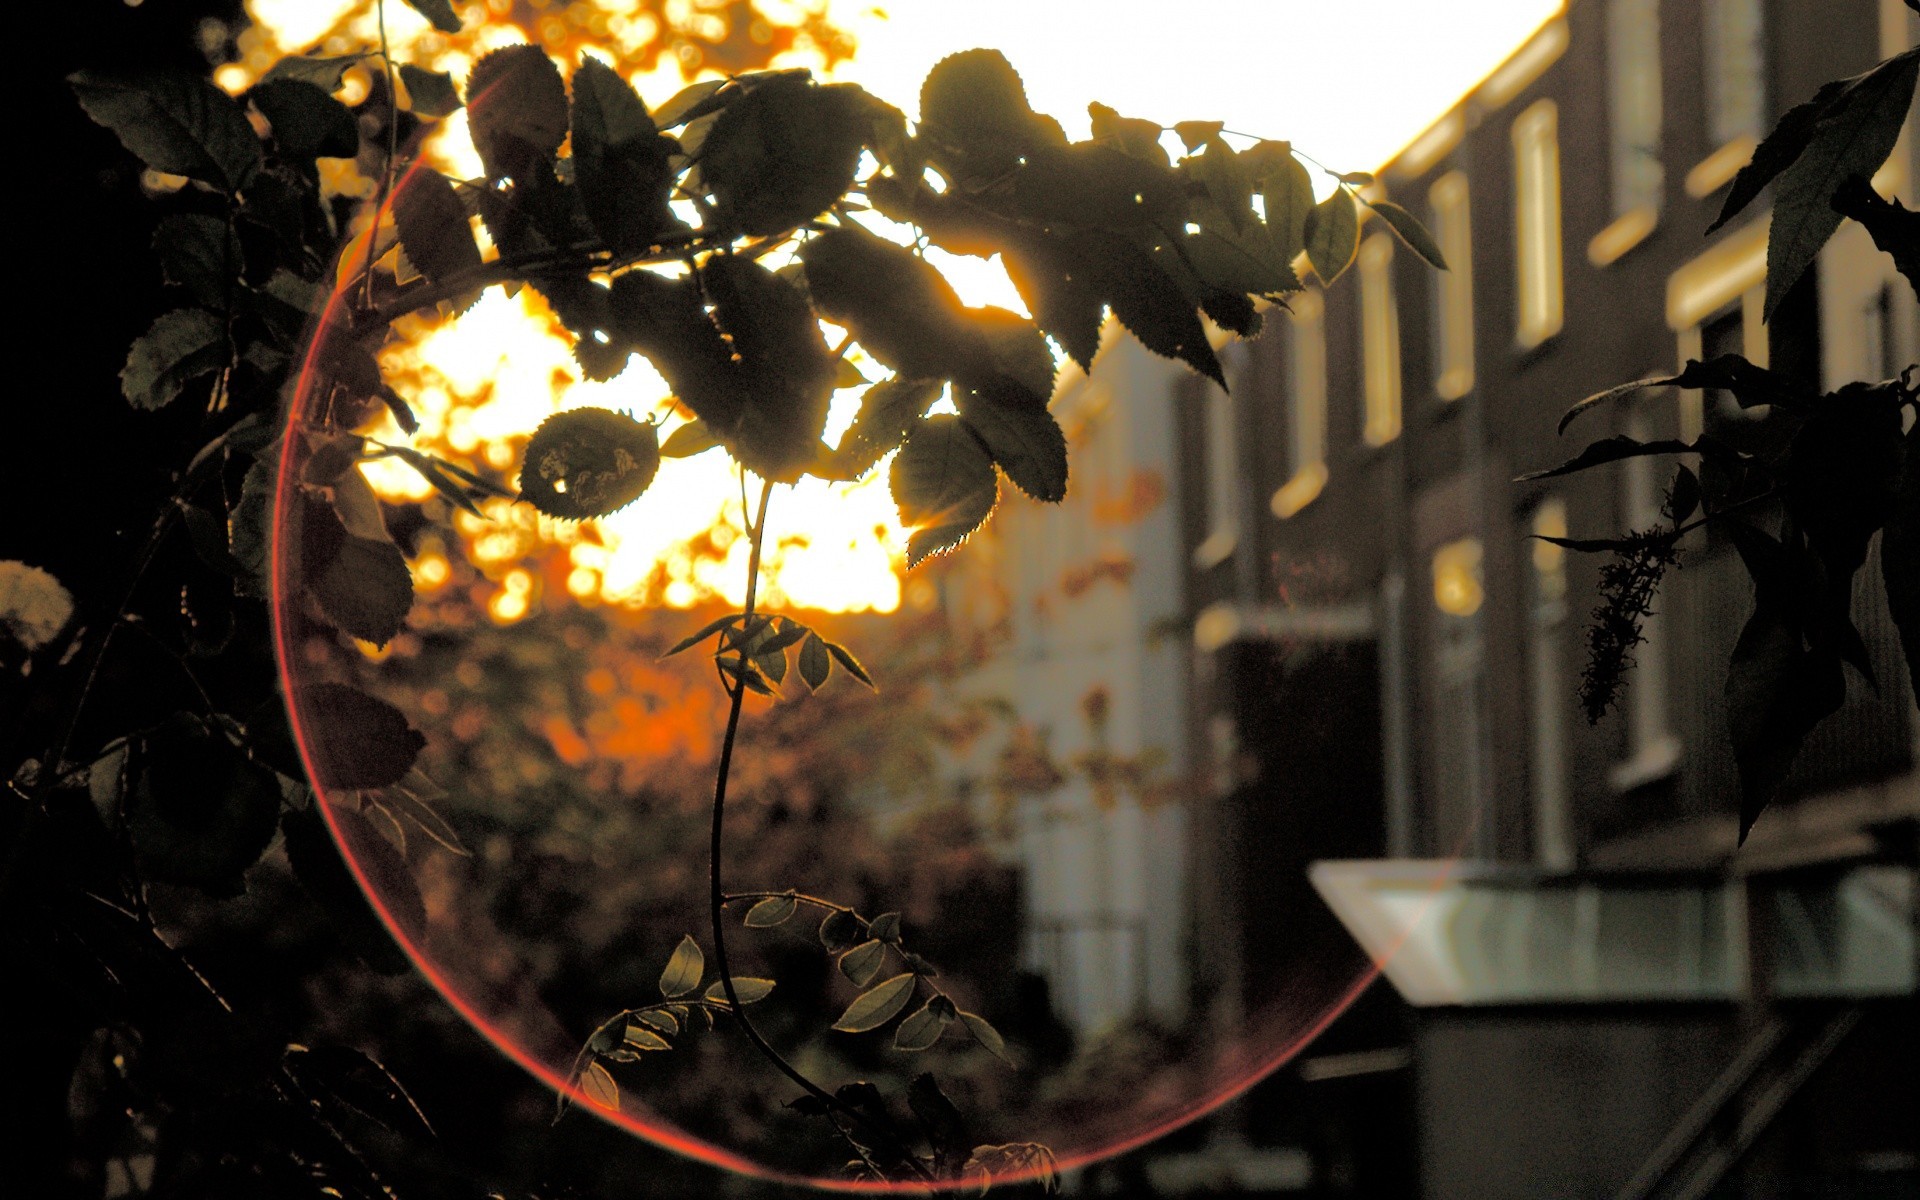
(1348,86)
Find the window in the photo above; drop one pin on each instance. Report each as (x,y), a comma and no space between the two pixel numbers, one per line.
(1379,342)
(1736,70)
(1732,275)
(1452,288)
(1633,127)
(1536,179)
(1306,405)
(1223,481)
(1462,811)
(1548,689)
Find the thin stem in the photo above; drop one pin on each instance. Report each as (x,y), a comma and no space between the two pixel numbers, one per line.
(393,147)
(717,895)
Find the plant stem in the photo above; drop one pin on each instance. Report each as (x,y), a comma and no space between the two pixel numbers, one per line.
(717,895)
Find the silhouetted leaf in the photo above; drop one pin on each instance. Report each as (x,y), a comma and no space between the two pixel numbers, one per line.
(323,874)
(943,482)
(1852,138)
(783,369)
(1132,135)
(199,253)
(429,93)
(1286,193)
(620,160)
(441,14)
(749,990)
(1058,291)
(1014,1162)
(924,1027)
(783,153)
(516,110)
(659,1018)
(597,1084)
(689,439)
(1146,299)
(986,1035)
(877,1005)
(307,122)
(1608,450)
(179,347)
(849,663)
(588,462)
(974,113)
(174,122)
(689,102)
(1894,228)
(1195,134)
(815,662)
(839,929)
(684,969)
(886,927)
(1684,498)
(1091,184)
(1411,231)
(357,741)
(861,963)
(325,73)
(774,910)
(706,631)
(1333,235)
(198,813)
(434,227)
(902,311)
(1024,440)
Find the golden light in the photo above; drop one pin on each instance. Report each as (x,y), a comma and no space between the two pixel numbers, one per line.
(483,381)
(1457,587)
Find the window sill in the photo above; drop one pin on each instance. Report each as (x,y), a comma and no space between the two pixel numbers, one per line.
(1627,231)
(1713,172)
(1653,762)
(1303,489)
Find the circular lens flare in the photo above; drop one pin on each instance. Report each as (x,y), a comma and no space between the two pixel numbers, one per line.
(521,788)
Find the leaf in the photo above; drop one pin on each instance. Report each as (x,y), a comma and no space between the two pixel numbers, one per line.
(620,161)
(1410,231)
(1751,386)
(1332,235)
(355,741)
(888,410)
(441,14)
(782,368)
(986,1035)
(863,962)
(1134,136)
(749,989)
(942,482)
(706,631)
(596,1082)
(429,93)
(1146,299)
(689,102)
(429,821)
(1777,691)
(179,347)
(900,309)
(198,813)
(689,439)
(1023,439)
(684,969)
(946,1129)
(774,910)
(974,113)
(175,122)
(362,583)
(1194,134)
(1059,291)
(659,1018)
(783,153)
(642,1038)
(307,122)
(1608,450)
(1853,138)
(815,664)
(924,1027)
(200,254)
(886,927)
(324,876)
(849,663)
(1900,557)
(839,930)
(1286,193)
(877,1005)
(1684,498)
(588,462)
(1014,1162)
(323,73)
(434,227)
(1894,228)
(516,110)
(1091,184)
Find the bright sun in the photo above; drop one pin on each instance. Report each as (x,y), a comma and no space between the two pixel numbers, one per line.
(1278,68)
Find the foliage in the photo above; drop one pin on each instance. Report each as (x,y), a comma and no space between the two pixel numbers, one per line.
(712,235)
(1819,476)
